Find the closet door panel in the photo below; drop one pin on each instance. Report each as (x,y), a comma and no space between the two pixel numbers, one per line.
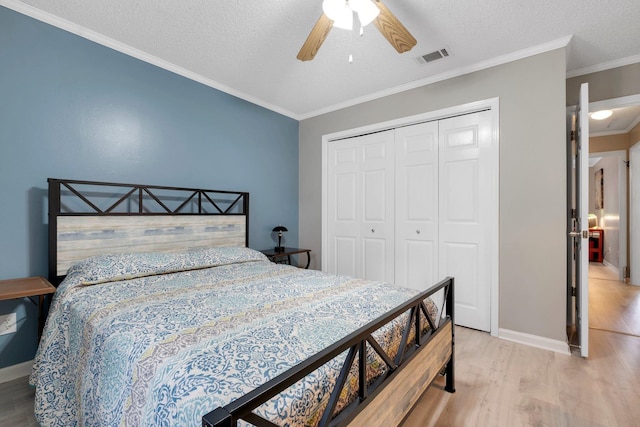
(374,250)
(460,195)
(360,207)
(342,207)
(345,256)
(417,263)
(464,214)
(378,213)
(462,258)
(417,205)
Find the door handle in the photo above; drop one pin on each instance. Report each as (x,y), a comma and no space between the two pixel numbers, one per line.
(583,233)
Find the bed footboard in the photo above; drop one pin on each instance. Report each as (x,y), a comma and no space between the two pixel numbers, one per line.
(389,399)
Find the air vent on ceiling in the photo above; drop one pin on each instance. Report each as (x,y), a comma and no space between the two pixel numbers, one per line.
(433,56)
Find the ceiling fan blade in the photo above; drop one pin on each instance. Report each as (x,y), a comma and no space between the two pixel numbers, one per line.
(396,33)
(315,39)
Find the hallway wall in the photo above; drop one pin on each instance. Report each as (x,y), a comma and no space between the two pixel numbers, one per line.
(609,217)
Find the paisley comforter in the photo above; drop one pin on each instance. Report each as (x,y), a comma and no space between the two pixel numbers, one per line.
(162,339)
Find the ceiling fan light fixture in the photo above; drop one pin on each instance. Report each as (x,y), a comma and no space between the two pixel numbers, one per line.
(366,10)
(601,115)
(345,20)
(339,12)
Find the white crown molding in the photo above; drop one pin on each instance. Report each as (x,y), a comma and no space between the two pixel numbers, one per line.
(534,341)
(499,60)
(14,372)
(609,104)
(607,133)
(633,124)
(604,66)
(83,32)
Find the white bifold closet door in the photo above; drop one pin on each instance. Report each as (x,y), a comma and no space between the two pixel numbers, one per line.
(416,237)
(466,196)
(361,207)
(414,205)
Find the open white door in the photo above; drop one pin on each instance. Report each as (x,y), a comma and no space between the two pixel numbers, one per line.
(578,225)
(634,213)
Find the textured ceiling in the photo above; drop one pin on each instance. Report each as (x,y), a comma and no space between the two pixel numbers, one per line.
(248,47)
(622,120)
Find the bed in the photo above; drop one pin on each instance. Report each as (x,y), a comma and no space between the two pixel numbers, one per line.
(164,316)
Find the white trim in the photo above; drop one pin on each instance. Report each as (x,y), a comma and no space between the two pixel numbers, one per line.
(499,60)
(634,232)
(492,104)
(91,35)
(611,267)
(14,372)
(495,226)
(608,133)
(629,60)
(623,101)
(88,34)
(535,341)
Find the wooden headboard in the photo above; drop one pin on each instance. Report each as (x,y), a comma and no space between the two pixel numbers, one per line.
(89,218)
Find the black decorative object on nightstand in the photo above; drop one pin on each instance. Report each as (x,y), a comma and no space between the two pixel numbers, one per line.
(279,229)
(283,256)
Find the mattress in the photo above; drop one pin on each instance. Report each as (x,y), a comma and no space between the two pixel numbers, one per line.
(162,339)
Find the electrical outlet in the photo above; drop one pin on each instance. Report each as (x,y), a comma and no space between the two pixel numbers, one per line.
(8,324)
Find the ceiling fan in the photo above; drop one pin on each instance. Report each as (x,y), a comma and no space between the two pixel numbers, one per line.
(339,13)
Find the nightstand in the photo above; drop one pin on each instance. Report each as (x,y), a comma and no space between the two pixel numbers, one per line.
(28,287)
(596,244)
(284,257)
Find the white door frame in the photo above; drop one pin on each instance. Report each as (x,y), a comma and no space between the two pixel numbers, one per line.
(634,214)
(492,104)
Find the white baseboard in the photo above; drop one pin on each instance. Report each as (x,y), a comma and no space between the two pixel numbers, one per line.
(611,267)
(534,341)
(13,372)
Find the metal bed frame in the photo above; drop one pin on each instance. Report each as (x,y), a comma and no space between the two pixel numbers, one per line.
(432,339)
(137,202)
(419,360)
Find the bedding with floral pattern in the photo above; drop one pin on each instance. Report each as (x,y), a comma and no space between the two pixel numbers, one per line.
(161,339)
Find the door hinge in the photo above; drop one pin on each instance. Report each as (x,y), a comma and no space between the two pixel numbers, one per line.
(573,135)
(573,291)
(573,213)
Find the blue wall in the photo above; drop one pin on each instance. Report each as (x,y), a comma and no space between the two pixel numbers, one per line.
(70,108)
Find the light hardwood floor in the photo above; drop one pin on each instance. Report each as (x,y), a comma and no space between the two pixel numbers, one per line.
(16,404)
(500,383)
(613,305)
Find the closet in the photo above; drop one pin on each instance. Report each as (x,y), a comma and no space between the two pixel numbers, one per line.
(415,204)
